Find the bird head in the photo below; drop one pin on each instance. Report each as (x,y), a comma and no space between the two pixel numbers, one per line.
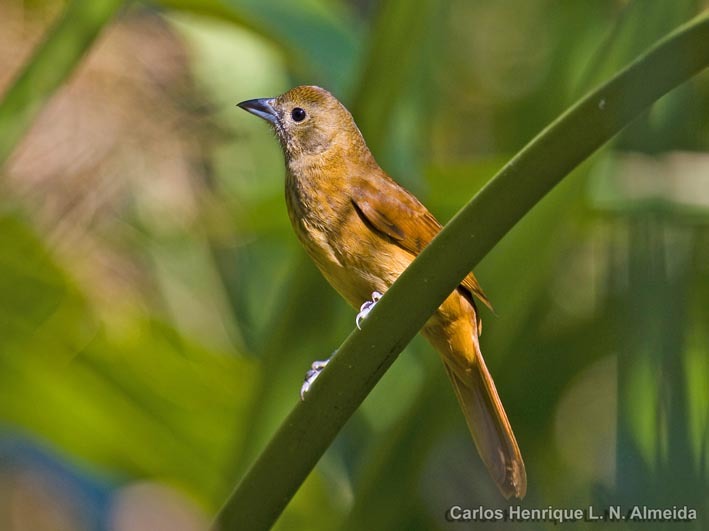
(308,120)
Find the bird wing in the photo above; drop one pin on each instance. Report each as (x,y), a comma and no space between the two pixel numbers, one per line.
(396,214)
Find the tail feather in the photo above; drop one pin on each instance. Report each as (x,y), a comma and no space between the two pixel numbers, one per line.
(488,424)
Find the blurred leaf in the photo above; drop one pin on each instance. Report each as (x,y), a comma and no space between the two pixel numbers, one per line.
(31,287)
(50,66)
(402,44)
(148,404)
(155,408)
(638,25)
(318,36)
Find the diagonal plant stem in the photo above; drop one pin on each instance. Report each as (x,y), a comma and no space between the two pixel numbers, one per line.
(270,483)
(51,64)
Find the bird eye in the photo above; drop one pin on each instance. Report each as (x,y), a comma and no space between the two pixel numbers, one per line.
(298,114)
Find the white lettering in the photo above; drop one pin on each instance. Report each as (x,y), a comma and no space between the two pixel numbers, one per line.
(454,512)
(614,512)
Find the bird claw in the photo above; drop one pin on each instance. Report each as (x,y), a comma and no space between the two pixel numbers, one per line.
(310,376)
(366,308)
(318,365)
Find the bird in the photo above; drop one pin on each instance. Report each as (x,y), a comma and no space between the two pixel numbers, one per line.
(362,229)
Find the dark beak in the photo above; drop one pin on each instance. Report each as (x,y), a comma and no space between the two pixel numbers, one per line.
(263,108)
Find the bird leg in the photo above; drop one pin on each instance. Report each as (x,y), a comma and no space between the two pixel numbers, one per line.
(310,376)
(318,365)
(366,308)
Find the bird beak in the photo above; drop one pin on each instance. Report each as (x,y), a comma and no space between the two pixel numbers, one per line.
(263,108)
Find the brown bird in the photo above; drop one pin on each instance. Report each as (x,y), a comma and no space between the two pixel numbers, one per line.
(363,229)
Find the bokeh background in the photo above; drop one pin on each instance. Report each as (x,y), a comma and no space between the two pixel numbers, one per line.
(157,315)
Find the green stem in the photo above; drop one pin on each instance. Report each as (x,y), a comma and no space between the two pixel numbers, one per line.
(51,64)
(365,355)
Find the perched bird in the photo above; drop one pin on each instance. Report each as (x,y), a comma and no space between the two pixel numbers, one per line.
(363,229)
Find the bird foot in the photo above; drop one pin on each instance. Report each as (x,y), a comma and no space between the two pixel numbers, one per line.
(310,376)
(318,365)
(366,308)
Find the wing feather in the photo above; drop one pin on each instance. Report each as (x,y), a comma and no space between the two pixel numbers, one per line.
(397,215)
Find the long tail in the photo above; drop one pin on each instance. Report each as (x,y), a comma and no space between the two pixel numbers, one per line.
(489,426)
(453,331)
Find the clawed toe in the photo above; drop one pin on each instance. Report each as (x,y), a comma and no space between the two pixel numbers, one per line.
(366,308)
(317,366)
(310,376)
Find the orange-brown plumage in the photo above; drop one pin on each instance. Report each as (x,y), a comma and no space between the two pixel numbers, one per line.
(362,229)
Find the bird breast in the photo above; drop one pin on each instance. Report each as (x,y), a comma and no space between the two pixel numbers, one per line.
(355,260)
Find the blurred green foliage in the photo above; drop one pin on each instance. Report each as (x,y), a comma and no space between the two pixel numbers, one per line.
(165,335)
